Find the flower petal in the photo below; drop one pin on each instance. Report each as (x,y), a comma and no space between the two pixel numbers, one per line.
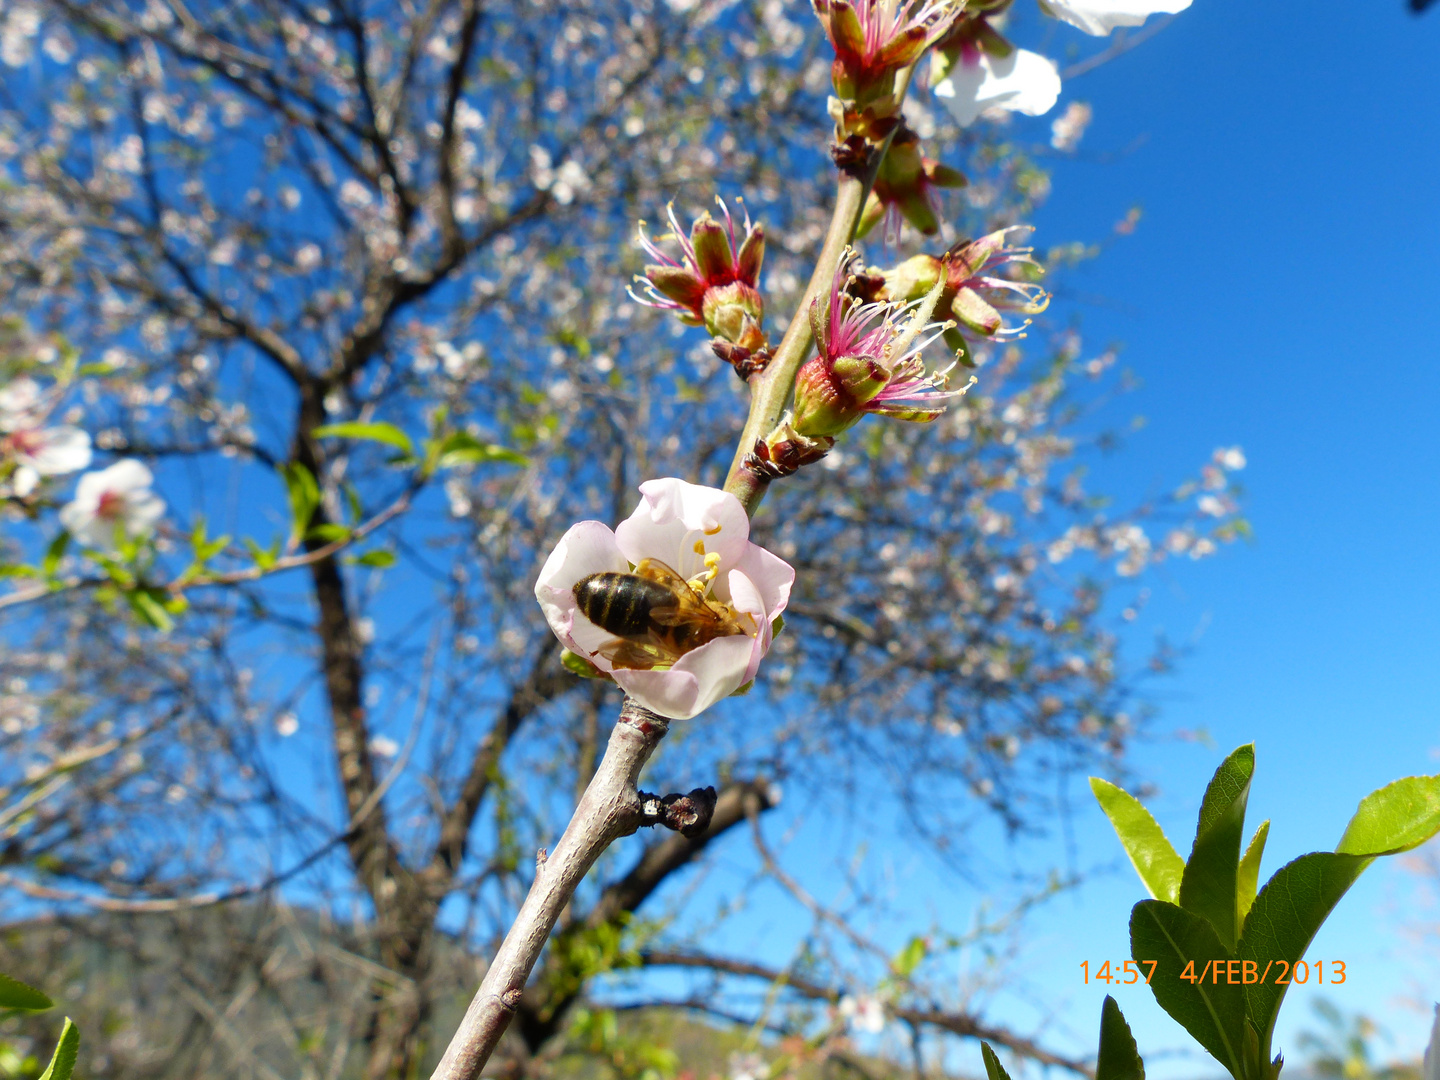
(1099,17)
(587,547)
(698,680)
(678,523)
(64,449)
(1023,82)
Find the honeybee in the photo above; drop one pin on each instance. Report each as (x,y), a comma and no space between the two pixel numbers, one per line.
(655,614)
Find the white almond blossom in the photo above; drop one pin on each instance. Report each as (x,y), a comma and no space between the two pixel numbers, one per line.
(1099,17)
(114,499)
(36,451)
(865,1013)
(1024,82)
(703,534)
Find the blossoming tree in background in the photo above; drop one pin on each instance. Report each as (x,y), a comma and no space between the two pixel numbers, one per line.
(318,348)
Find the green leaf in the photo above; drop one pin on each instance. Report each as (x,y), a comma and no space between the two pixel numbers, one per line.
(388,434)
(380,559)
(1119,1059)
(1153,856)
(150,610)
(910,957)
(1396,818)
(15,994)
(1282,922)
(462,448)
(62,1063)
(54,553)
(329,532)
(1247,878)
(993,1069)
(304,495)
(1209,885)
(776,625)
(264,559)
(1213,1012)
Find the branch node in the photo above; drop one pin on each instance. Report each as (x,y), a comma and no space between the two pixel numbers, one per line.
(509,999)
(540,858)
(689,815)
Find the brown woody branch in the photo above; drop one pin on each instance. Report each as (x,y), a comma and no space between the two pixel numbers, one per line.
(956,1023)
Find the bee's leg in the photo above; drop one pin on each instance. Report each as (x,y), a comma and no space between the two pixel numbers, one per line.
(632,655)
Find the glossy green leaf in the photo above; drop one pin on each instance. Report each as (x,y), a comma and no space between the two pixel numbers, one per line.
(993,1069)
(1396,818)
(1153,856)
(1209,886)
(1283,920)
(15,994)
(388,434)
(1183,943)
(1247,879)
(62,1062)
(1119,1058)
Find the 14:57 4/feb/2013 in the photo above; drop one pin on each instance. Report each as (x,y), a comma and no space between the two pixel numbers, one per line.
(1127,973)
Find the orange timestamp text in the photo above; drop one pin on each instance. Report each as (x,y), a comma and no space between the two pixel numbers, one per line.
(1215,972)
(1127,973)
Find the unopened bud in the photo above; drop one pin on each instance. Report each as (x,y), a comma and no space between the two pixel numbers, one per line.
(728,308)
(830,395)
(913,278)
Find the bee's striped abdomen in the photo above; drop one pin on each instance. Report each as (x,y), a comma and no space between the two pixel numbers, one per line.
(621,603)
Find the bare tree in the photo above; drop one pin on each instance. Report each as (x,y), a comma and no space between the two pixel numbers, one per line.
(228,228)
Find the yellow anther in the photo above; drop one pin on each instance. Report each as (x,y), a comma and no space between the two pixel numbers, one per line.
(699,547)
(712,532)
(703,579)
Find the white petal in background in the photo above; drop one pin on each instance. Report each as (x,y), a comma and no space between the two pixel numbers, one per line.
(1024,82)
(1099,17)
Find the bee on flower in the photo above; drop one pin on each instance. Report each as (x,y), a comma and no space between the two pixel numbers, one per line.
(676,605)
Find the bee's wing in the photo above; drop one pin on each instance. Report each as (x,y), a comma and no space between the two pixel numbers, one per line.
(660,573)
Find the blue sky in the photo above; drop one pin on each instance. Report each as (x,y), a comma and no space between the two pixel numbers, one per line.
(1281,293)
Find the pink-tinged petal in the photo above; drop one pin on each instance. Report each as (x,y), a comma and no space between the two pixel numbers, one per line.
(698,680)
(678,523)
(771,577)
(1099,17)
(586,548)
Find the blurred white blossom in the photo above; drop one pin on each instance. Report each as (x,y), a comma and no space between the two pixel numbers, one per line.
(117,498)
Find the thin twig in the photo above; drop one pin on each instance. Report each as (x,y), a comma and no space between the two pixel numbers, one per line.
(609,809)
